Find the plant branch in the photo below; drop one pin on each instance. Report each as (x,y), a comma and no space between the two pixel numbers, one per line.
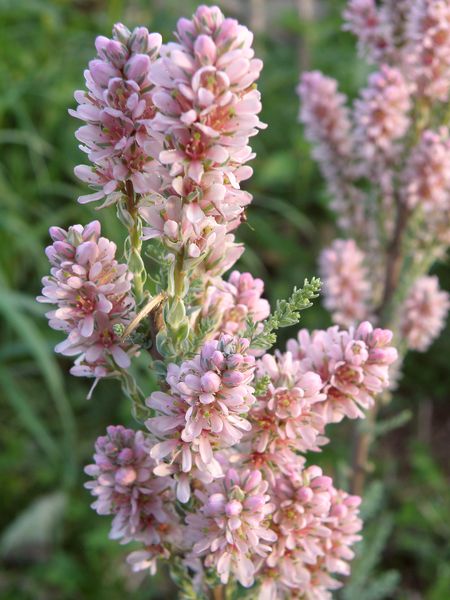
(364,433)
(135,243)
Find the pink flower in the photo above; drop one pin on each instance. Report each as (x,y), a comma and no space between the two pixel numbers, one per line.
(346,282)
(235,301)
(381,114)
(124,486)
(344,523)
(116,107)
(316,527)
(206,110)
(353,365)
(92,293)
(372,27)
(426,180)
(205,97)
(204,408)
(222,254)
(230,529)
(424,313)
(302,505)
(428,47)
(325,115)
(284,419)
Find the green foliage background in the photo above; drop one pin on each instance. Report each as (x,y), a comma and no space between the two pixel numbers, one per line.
(52,546)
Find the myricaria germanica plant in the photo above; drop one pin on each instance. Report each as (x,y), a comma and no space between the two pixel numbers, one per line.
(215,479)
(386,163)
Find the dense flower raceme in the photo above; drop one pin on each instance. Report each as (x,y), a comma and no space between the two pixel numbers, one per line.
(424,313)
(427,52)
(124,486)
(118,108)
(206,110)
(236,300)
(91,291)
(326,117)
(426,180)
(346,282)
(373,28)
(204,407)
(381,114)
(316,525)
(231,526)
(206,100)
(353,365)
(284,420)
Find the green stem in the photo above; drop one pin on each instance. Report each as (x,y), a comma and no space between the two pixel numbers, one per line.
(135,244)
(137,397)
(179,275)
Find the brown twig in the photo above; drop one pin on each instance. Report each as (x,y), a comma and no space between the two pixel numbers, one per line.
(148,308)
(394,262)
(363,435)
(218,593)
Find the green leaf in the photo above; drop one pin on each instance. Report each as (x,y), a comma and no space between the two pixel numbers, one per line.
(44,357)
(27,415)
(286,313)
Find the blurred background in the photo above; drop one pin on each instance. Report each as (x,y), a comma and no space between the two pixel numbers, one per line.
(52,545)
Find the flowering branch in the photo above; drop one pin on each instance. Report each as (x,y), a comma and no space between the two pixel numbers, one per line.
(215,480)
(386,161)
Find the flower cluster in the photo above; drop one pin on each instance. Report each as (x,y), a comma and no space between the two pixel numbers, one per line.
(124,486)
(381,114)
(346,284)
(428,47)
(372,27)
(92,293)
(424,313)
(327,123)
(118,108)
(315,525)
(234,515)
(207,399)
(353,365)
(235,301)
(285,420)
(207,109)
(426,180)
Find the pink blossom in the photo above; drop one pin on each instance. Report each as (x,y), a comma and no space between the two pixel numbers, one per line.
(326,117)
(381,114)
(92,293)
(116,107)
(223,253)
(346,282)
(344,523)
(124,486)
(205,406)
(424,313)
(216,386)
(316,526)
(207,107)
(302,505)
(370,24)
(230,529)
(426,180)
(284,419)
(236,300)
(428,47)
(353,365)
